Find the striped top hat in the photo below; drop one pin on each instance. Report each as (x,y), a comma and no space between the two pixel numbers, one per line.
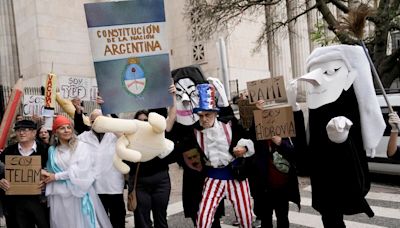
(207,100)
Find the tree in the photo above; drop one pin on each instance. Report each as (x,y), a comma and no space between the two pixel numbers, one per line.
(211,16)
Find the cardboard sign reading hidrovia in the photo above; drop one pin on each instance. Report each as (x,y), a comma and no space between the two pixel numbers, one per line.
(274,120)
(23,173)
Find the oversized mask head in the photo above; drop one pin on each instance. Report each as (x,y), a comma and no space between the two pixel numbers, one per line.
(187,96)
(328,76)
(186,99)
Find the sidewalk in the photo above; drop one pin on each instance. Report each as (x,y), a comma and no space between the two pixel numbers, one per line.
(175,215)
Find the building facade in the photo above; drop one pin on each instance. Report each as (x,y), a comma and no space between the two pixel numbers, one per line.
(39,36)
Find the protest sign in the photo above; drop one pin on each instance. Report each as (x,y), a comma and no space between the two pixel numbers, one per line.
(271,89)
(246,112)
(33,105)
(78,87)
(50,90)
(130,53)
(10,111)
(274,120)
(23,173)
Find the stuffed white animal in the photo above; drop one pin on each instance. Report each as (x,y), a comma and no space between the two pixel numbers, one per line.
(140,141)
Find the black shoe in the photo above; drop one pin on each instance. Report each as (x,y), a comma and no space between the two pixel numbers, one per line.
(235,223)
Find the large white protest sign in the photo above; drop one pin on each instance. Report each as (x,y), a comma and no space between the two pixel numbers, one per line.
(78,87)
(33,105)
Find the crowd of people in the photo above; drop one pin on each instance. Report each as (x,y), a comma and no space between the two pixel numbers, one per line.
(221,160)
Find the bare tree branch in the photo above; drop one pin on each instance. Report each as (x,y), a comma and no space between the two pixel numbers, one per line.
(340,5)
(207,17)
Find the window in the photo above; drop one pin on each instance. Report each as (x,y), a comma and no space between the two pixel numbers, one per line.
(198,53)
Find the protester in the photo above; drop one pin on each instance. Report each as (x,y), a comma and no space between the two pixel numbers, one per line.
(153,182)
(12,139)
(109,184)
(392,148)
(222,144)
(345,123)
(43,135)
(24,210)
(18,117)
(70,178)
(186,79)
(275,178)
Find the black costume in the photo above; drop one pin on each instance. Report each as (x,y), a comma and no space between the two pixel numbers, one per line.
(182,136)
(339,171)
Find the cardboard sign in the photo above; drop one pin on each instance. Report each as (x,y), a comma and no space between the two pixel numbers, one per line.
(50,90)
(275,120)
(131,55)
(246,113)
(271,89)
(23,173)
(33,105)
(78,87)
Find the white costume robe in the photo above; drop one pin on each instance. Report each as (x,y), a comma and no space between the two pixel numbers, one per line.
(73,185)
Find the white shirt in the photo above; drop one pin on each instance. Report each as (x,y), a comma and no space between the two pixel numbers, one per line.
(108,179)
(29,152)
(217,143)
(216,146)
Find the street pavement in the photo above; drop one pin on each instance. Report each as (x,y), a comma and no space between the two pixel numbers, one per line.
(383,198)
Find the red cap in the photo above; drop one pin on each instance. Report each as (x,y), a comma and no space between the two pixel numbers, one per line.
(59,121)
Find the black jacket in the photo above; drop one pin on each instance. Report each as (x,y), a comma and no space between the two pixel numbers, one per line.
(259,170)
(338,171)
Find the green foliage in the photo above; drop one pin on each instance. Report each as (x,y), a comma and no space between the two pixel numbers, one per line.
(319,35)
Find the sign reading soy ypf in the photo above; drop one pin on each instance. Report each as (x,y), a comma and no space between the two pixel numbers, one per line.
(23,174)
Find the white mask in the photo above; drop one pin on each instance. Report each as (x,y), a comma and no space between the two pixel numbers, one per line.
(186,99)
(327,81)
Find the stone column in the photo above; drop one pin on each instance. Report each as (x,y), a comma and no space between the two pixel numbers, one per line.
(279,61)
(298,40)
(9,65)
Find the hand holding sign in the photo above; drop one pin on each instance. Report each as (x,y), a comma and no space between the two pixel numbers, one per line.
(4,184)
(77,104)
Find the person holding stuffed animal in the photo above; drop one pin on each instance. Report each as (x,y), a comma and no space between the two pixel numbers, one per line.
(392,148)
(222,144)
(153,185)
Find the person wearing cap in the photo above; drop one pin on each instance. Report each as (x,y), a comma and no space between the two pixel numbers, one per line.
(222,144)
(24,210)
(109,184)
(70,178)
(393,150)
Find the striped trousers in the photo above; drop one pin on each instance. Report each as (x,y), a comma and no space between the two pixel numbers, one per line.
(236,191)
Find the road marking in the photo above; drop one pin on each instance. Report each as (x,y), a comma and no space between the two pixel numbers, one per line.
(174,208)
(314,220)
(310,220)
(379,211)
(373,195)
